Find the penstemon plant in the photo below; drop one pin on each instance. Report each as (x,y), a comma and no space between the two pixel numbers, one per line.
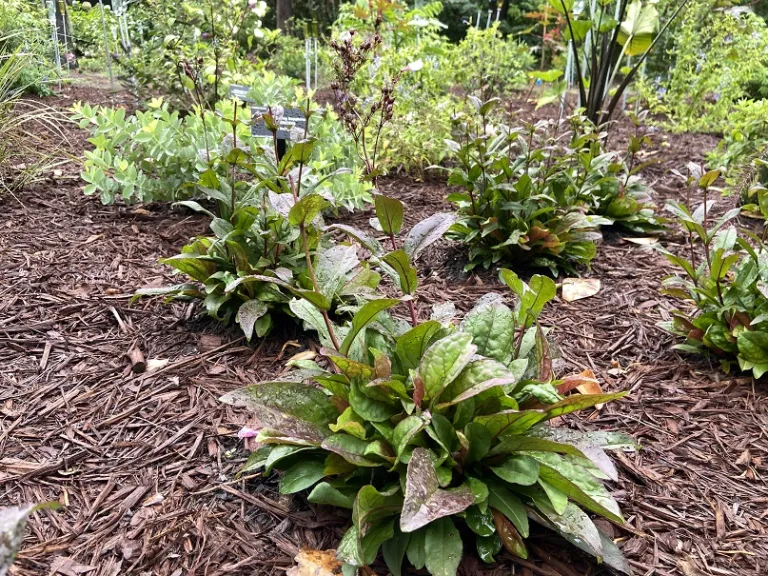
(268,235)
(420,429)
(727,288)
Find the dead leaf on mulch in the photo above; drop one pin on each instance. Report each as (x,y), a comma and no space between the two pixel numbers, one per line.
(578,288)
(311,562)
(648,241)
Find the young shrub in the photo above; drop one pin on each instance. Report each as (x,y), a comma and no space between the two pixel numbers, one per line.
(486,64)
(726,316)
(426,430)
(194,48)
(539,193)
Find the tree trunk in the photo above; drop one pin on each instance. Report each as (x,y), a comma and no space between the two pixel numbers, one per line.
(504,11)
(284,13)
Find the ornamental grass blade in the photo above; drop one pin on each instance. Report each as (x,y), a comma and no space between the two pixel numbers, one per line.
(424,500)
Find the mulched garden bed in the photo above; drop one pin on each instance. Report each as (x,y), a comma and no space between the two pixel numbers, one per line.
(145,464)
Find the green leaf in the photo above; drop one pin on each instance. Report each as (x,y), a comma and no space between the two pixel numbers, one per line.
(406,274)
(510,505)
(406,430)
(579,485)
(191,265)
(508,422)
(363,317)
(301,476)
(350,448)
(518,469)
(350,423)
(416,552)
(371,410)
(306,209)
(479,441)
(347,549)
(488,547)
(352,369)
(443,548)
(331,268)
(753,346)
(424,500)
(710,177)
(576,527)
(328,495)
(280,453)
(444,361)
(557,498)
(492,326)
(389,212)
(315,298)
(393,551)
(410,347)
(427,232)
(637,31)
(247,315)
(480,522)
(372,506)
(545,75)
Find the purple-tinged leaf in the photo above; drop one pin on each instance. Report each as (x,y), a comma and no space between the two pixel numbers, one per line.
(427,232)
(424,500)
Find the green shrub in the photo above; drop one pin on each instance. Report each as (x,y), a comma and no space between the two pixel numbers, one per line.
(487,64)
(534,195)
(416,429)
(745,138)
(716,58)
(726,291)
(192,51)
(25,28)
(158,155)
(88,35)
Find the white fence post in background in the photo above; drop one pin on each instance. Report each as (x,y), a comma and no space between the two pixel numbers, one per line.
(106,44)
(55,37)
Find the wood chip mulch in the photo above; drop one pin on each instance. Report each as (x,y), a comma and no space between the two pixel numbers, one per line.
(144,464)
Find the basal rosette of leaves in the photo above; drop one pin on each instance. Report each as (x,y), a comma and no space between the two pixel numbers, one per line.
(725,290)
(269,243)
(539,193)
(424,431)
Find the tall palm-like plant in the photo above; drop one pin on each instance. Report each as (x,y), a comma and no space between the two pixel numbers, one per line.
(609,36)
